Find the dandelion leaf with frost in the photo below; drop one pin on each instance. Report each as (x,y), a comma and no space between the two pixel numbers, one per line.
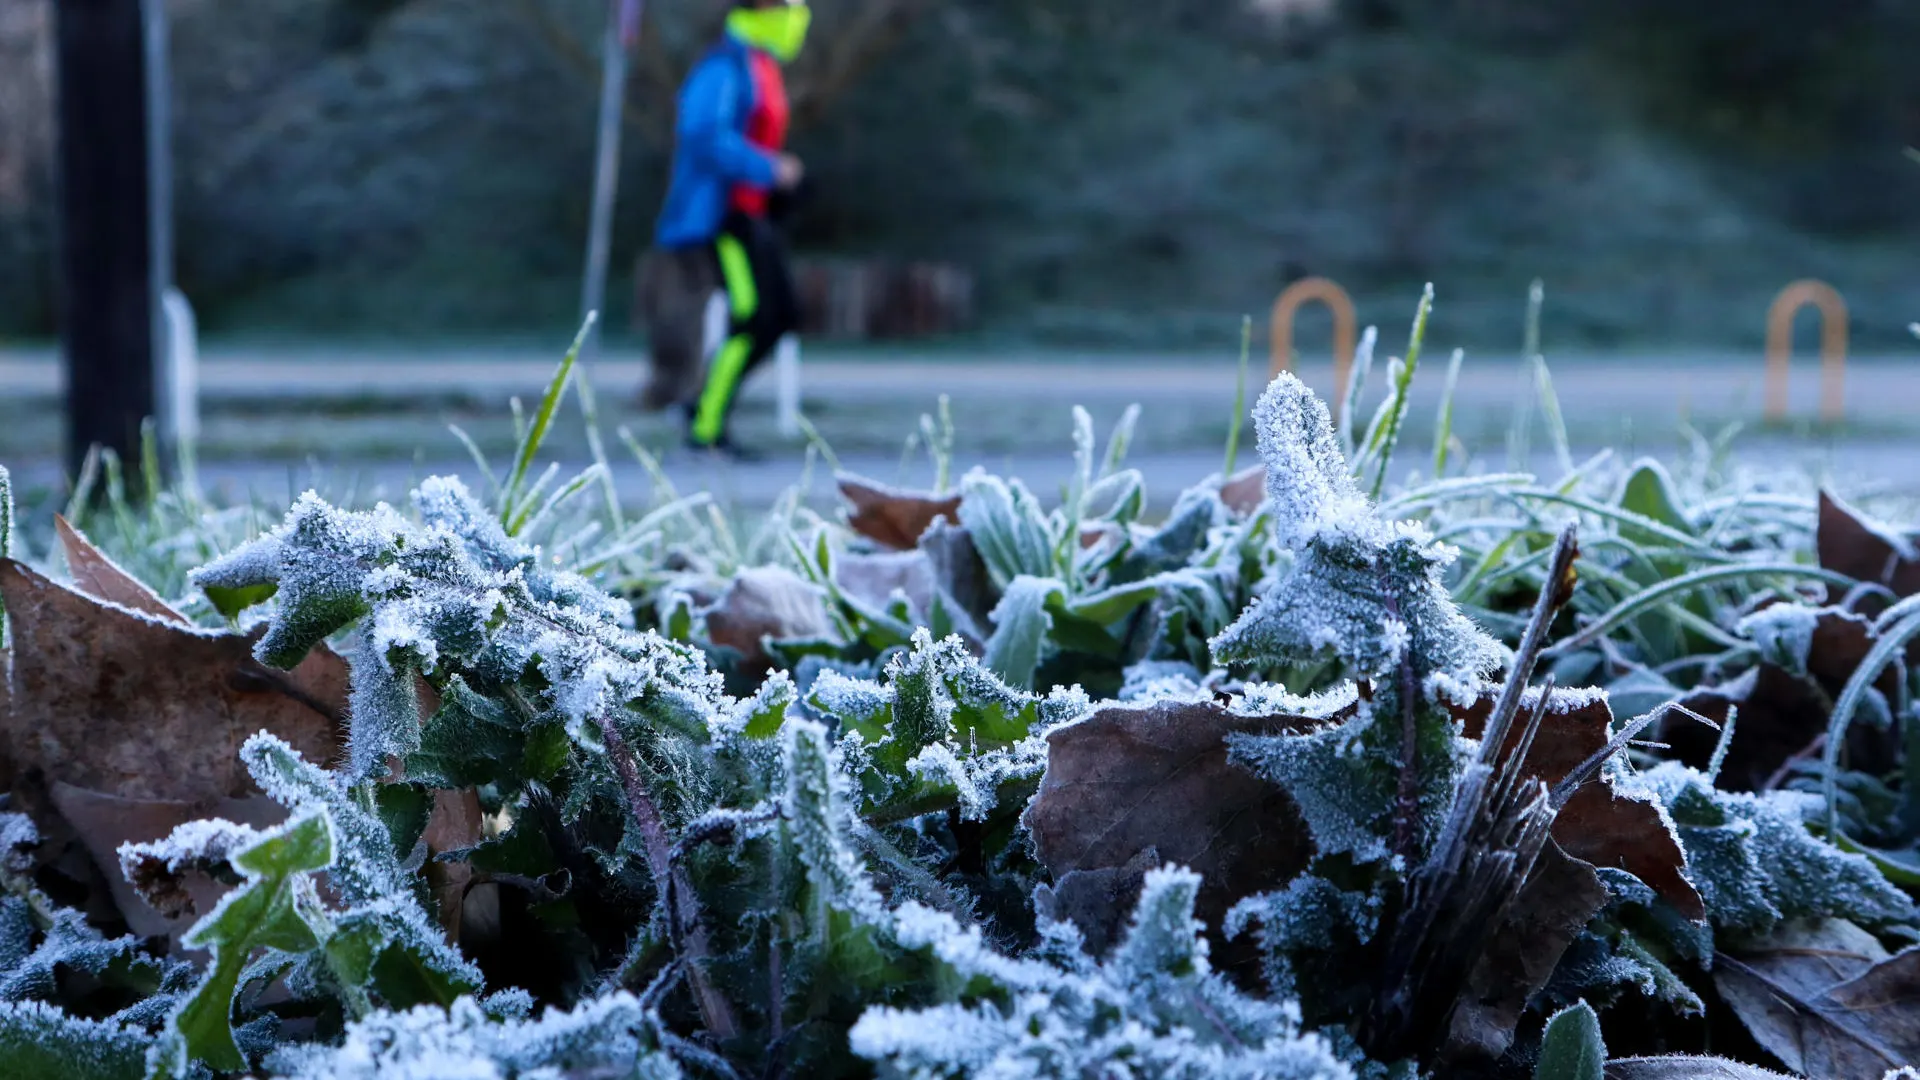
(1755,863)
(1365,594)
(38,1040)
(612,1036)
(940,730)
(276,907)
(1154,1008)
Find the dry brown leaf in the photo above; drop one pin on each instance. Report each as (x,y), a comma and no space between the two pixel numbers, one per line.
(1244,492)
(1781,715)
(457,822)
(959,571)
(1598,824)
(1826,999)
(1156,778)
(121,703)
(873,579)
(1561,895)
(891,517)
(103,822)
(100,577)
(766,602)
(1848,542)
(1686,1067)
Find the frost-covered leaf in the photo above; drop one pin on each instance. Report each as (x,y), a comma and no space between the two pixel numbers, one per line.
(105,822)
(1572,1048)
(108,699)
(1649,492)
(1007,527)
(275,908)
(1154,1010)
(940,730)
(380,895)
(1686,1067)
(1755,864)
(1020,627)
(1849,542)
(38,1040)
(43,955)
(891,517)
(1129,780)
(613,1036)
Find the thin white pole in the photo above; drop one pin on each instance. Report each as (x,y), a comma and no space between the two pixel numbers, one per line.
(786,371)
(623,22)
(180,368)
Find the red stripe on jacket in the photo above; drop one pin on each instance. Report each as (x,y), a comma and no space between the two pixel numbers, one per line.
(766,124)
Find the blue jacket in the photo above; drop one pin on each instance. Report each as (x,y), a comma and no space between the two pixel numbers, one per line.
(711,152)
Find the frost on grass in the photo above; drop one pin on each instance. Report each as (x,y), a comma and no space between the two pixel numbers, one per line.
(1365,596)
(613,1036)
(1154,1009)
(1756,864)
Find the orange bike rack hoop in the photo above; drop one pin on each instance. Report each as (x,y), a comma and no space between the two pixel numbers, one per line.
(1833,347)
(1340,304)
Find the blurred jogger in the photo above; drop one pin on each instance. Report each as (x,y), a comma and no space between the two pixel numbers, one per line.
(718,230)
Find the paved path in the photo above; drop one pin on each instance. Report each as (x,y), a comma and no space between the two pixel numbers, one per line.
(1879,389)
(1188,397)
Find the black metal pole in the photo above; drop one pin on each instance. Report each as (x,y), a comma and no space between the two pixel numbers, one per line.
(113,229)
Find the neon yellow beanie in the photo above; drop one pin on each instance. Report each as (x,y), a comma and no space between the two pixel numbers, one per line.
(780,30)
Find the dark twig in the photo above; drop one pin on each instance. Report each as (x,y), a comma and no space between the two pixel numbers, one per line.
(676,892)
(1494,834)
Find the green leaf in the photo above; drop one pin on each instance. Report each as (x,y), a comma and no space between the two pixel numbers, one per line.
(1021,624)
(230,602)
(1109,606)
(38,1040)
(403,809)
(1007,526)
(1572,1048)
(1648,492)
(275,907)
(543,419)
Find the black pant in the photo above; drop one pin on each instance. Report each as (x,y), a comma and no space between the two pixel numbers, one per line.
(751,257)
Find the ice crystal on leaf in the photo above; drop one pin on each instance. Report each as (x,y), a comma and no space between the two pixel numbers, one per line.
(1756,864)
(449,594)
(1153,1010)
(37,1040)
(1366,596)
(613,1037)
(940,725)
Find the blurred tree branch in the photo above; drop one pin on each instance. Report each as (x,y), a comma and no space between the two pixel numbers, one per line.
(848,39)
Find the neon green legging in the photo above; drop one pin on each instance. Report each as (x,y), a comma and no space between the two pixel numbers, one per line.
(760,309)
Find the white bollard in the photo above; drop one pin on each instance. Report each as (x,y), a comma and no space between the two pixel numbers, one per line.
(714,329)
(786,372)
(179,403)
